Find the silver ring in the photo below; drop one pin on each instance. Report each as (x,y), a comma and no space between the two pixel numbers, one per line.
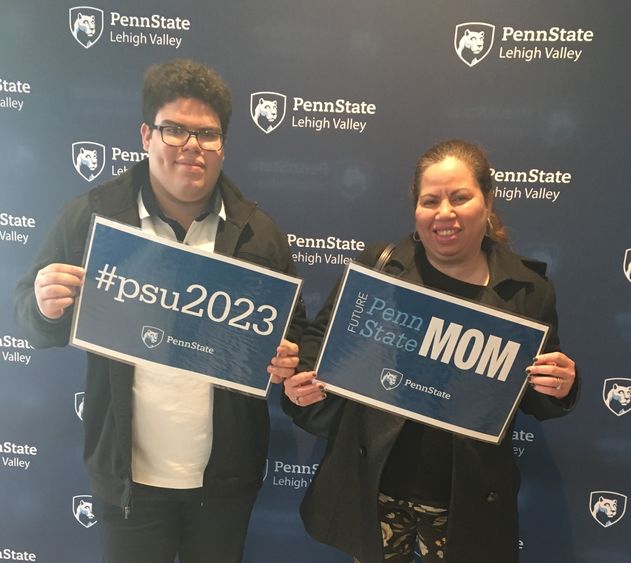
(559,383)
(297,400)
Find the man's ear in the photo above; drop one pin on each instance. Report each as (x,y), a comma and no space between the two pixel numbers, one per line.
(145,135)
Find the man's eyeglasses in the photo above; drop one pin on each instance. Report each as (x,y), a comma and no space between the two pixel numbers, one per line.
(176,136)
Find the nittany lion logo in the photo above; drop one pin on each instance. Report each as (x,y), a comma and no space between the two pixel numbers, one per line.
(607,507)
(86,25)
(626,265)
(473,41)
(82,510)
(267,110)
(617,395)
(88,159)
(390,379)
(152,336)
(79,399)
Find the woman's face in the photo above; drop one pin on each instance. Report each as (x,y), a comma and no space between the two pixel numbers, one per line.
(451,212)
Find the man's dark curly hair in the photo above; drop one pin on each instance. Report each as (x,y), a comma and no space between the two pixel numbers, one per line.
(184,78)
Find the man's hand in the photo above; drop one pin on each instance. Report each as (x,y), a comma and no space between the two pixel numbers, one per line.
(283,365)
(55,288)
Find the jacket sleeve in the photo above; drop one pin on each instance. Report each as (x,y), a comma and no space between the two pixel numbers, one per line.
(321,418)
(299,319)
(537,404)
(64,244)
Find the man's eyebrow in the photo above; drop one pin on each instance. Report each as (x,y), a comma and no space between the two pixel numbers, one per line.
(177,124)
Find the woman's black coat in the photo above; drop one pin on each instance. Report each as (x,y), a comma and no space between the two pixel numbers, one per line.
(340,506)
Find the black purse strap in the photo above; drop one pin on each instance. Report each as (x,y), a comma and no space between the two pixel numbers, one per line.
(384,256)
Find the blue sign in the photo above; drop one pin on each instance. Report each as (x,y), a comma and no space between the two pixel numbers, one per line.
(150,300)
(427,355)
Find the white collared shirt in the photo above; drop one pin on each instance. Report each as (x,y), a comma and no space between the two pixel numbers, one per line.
(172,428)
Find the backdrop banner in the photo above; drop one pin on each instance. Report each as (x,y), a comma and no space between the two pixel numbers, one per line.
(333,103)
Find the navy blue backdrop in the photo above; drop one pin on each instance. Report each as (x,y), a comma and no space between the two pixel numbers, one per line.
(361,88)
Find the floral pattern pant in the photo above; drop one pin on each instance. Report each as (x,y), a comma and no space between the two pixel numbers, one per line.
(406,526)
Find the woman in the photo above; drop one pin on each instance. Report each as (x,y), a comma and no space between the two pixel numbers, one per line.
(387,485)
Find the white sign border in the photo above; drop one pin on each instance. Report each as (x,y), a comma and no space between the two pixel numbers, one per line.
(133,360)
(492,438)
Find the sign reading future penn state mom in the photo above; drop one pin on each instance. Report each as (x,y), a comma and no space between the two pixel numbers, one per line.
(427,355)
(147,300)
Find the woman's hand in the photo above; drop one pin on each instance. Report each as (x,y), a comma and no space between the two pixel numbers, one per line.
(552,374)
(303,389)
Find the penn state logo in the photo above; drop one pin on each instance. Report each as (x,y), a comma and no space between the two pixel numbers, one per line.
(473,41)
(266,468)
(626,265)
(88,159)
(78,404)
(267,110)
(82,510)
(617,395)
(607,507)
(152,336)
(86,25)
(390,379)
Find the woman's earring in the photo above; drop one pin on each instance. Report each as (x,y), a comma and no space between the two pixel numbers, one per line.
(489,225)
(415,237)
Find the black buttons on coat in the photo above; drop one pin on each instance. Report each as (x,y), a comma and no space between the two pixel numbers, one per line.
(362,451)
(492,496)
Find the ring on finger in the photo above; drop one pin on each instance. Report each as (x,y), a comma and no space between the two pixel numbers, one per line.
(559,383)
(297,400)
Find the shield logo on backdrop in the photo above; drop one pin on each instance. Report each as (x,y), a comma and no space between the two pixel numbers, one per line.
(473,41)
(88,159)
(390,379)
(82,510)
(267,110)
(86,25)
(617,395)
(266,468)
(78,404)
(607,507)
(626,265)
(152,336)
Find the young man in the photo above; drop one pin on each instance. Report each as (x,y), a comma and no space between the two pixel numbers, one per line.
(175,463)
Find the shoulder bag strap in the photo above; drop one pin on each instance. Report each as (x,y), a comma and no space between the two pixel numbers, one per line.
(384,256)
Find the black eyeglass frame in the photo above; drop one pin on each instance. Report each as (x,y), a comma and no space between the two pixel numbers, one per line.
(190,133)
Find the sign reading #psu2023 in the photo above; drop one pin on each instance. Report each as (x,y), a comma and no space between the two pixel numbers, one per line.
(150,300)
(427,355)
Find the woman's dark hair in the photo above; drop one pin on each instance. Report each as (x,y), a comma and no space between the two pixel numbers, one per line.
(475,158)
(184,78)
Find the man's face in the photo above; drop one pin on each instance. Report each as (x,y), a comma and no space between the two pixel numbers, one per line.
(181,176)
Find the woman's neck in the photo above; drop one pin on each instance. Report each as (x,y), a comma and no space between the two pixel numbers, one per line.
(474,271)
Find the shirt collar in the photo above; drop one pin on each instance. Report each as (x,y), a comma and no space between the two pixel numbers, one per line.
(148,205)
(505,265)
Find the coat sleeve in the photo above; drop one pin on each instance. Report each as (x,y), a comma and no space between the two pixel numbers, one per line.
(299,319)
(322,418)
(537,404)
(64,244)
